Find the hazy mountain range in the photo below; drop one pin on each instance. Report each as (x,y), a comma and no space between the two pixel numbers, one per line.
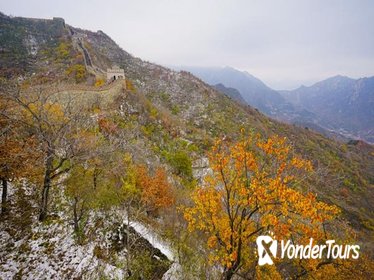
(339,107)
(253,90)
(340,103)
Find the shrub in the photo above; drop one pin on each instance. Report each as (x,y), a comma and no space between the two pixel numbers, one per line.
(63,51)
(181,163)
(99,82)
(78,71)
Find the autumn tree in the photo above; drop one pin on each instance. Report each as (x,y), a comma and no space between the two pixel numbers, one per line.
(156,192)
(121,178)
(106,180)
(253,189)
(136,192)
(53,121)
(80,191)
(81,182)
(90,184)
(78,71)
(130,86)
(16,160)
(17,156)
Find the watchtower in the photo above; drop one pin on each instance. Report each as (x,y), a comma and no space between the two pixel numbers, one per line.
(115,73)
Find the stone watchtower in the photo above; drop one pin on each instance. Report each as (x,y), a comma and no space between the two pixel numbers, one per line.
(115,73)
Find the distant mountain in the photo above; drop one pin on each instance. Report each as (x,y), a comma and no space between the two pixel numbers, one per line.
(231,92)
(339,107)
(253,90)
(341,104)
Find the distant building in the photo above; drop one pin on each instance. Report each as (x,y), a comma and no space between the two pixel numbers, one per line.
(115,73)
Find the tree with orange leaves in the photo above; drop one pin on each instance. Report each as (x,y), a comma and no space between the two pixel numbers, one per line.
(156,192)
(253,189)
(17,156)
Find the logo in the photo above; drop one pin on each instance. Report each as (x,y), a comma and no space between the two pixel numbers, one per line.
(266,249)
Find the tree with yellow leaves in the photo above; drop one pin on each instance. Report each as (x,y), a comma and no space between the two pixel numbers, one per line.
(252,190)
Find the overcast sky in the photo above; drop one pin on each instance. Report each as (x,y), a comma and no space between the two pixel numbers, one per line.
(284,43)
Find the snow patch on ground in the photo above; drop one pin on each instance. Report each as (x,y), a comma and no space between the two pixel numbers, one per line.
(49,250)
(58,257)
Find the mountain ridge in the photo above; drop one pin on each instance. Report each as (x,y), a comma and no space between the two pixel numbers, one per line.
(286,105)
(269,101)
(341,103)
(231,92)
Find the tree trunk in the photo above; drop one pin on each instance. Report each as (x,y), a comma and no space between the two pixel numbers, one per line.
(95,174)
(76,219)
(4,196)
(46,186)
(228,274)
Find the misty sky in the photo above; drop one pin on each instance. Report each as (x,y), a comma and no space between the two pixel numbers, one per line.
(284,43)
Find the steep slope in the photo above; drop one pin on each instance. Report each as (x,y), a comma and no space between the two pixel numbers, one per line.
(341,104)
(35,47)
(231,92)
(165,111)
